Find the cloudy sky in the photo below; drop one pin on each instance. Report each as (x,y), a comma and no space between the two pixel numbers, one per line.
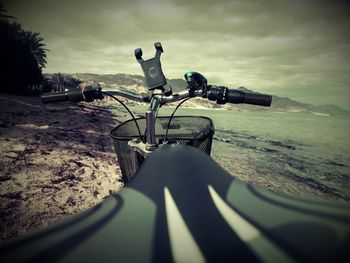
(293,48)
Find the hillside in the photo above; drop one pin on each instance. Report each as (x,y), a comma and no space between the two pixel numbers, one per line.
(136,83)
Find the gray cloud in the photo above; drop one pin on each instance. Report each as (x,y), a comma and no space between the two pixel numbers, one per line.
(290,48)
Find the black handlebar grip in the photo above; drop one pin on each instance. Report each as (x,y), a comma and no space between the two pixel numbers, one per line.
(223,95)
(70,95)
(54,97)
(75,95)
(237,96)
(87,94)
(257,99)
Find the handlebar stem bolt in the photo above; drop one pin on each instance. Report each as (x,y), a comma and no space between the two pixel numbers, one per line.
(136,140)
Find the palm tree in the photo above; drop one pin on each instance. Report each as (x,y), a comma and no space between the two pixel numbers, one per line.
(33,41)
(23,56)
(3,11)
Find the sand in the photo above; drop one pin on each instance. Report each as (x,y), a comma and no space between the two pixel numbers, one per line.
(55,161)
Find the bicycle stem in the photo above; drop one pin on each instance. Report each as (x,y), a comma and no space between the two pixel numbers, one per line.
(151,115)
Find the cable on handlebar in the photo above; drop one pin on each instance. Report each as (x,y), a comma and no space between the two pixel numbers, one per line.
(171,117)
(132,115)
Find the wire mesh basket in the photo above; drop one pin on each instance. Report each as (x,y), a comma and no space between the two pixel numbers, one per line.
(196,131)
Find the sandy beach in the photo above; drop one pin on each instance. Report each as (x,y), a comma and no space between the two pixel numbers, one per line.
(55,161)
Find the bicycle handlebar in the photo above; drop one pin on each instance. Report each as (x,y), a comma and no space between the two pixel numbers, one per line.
(256,99)
(128,95)
(87,94)
(219,94)
(223,95)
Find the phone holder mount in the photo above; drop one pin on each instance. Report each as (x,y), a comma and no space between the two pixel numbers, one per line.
(152,70)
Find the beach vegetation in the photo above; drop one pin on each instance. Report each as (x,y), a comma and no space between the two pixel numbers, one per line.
(23,57)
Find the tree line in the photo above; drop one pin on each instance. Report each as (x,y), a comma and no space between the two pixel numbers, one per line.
(59,82)
(22,57)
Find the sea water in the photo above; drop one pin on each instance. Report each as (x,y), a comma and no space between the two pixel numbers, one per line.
(296,153)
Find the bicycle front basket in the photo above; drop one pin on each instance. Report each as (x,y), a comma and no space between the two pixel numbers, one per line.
(196,131)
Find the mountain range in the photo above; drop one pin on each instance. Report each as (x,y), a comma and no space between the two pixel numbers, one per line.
(136,83)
